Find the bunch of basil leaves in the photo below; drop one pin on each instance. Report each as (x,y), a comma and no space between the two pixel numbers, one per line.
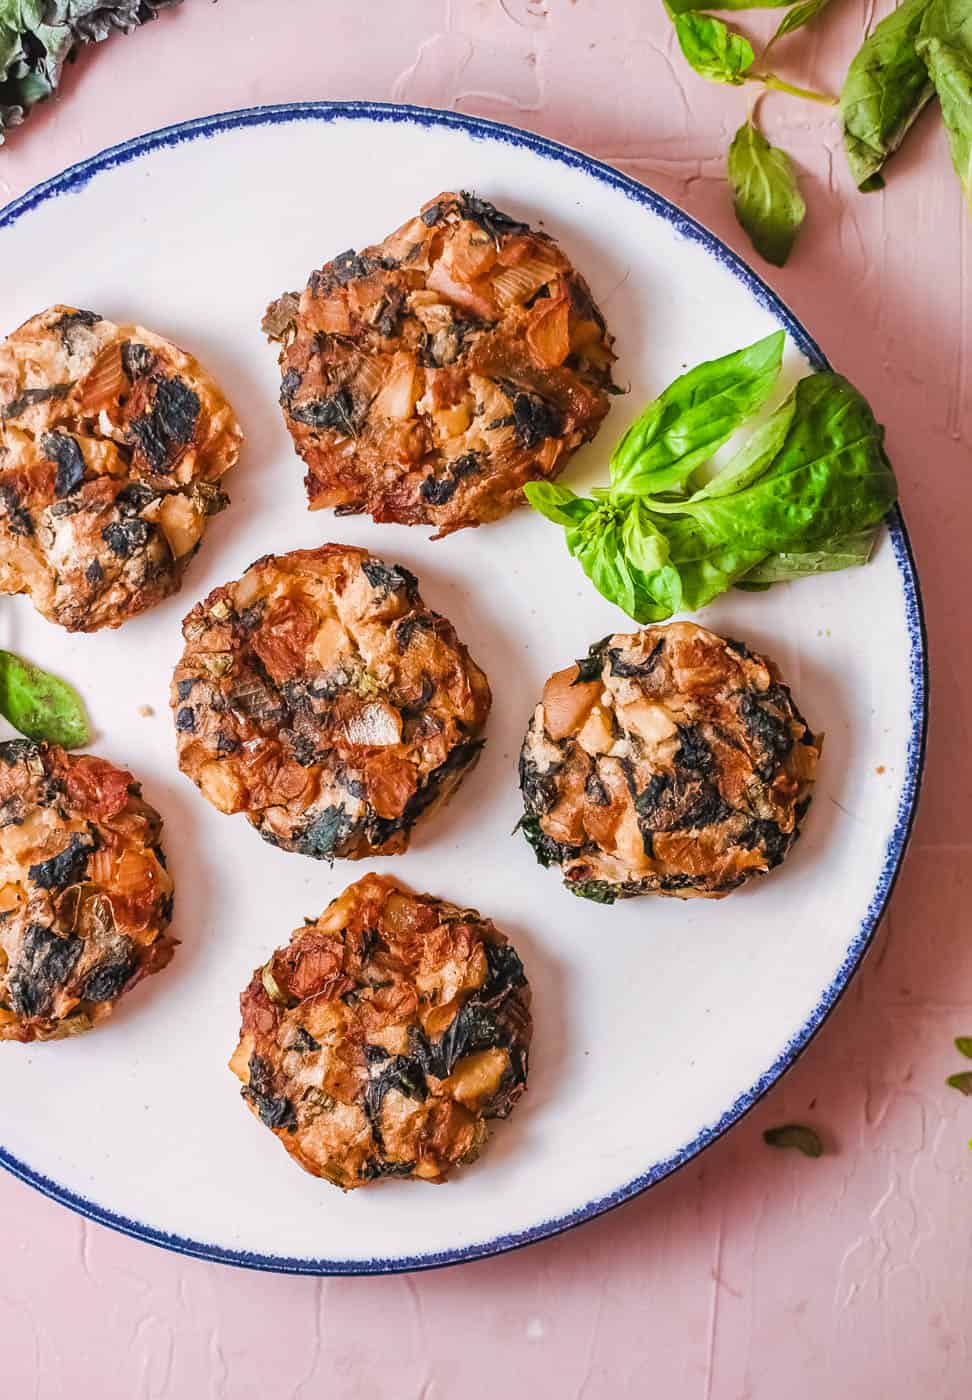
(804,494)
(37,38)
(924,47)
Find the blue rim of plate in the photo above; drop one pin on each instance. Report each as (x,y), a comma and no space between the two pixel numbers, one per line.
(74,178)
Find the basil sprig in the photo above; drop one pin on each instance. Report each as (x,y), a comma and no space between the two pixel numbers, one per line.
(39,704)
(805,493)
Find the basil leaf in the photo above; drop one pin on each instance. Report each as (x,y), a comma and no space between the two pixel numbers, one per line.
(830,477)
(796,1135)
(558,503)
(847,552)
(713,49)
(38,37)
(765,196)
(695,415)
(885,89)
(40,705)
(796,18)
(945,45)
(963,1044)
(754,457)
(962,1082)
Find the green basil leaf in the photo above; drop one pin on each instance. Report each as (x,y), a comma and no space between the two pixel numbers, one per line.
(558,503)
(962,1082)
(713,49)
(830,478)
(945,45)
(40,705)
(694,416)
(796,18)
(765,195)
(886,87)
(847,552)
(796,1135)
(963,1044)
(755,456)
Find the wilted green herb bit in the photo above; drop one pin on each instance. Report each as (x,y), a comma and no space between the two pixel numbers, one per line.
(40,705)
(962,1082)
(963,1044)
(796,1135)
(765,194)
(37,38)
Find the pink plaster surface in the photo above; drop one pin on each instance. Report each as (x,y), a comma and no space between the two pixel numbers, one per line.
(751,1275)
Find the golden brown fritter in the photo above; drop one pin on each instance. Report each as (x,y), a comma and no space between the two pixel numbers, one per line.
(670,761)
(427,378)
(85,898)
(320,696)
(112,446)
(381,1039)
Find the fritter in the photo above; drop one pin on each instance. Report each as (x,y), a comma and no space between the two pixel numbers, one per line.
(85,898)
(668,761)
(384,1036)
(427,378)
(112,446)
(320,696)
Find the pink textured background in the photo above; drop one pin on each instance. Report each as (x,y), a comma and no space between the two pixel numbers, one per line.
(751,1273)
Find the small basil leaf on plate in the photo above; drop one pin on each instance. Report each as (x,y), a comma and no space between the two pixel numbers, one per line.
(713,49)
(795,1135)
(39,704)
(694,416)
(963,1044)
(962,1082)
(945,45)
(765,194)
(886,87)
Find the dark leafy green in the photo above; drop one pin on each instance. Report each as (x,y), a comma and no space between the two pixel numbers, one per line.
(962,1082)
(795,1135)
(37,37)
(39,704)
(945,46)
(804,494)
(765,195)
(712,48)
(963,1044)
(886,87)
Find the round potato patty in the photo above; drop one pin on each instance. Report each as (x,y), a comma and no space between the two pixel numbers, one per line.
(320,696)
(669,761)
(381,1039)
(428,377)
(85,898)
(112,445)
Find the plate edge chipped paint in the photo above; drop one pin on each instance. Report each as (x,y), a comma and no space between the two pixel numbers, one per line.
(73,179)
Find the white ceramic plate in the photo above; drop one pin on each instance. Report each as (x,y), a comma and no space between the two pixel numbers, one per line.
(658,1023)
